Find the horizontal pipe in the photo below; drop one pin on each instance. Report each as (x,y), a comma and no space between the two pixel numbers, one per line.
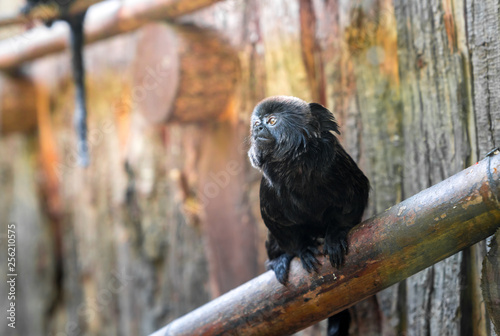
(417,233)
(103,20)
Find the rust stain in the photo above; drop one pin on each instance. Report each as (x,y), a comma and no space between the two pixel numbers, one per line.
(449,25)
(410,219)
(472,201)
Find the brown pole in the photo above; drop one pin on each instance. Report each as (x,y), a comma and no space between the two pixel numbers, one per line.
(103,20)
(46,12)
(418,232)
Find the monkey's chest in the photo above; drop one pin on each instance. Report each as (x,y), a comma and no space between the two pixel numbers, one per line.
(299,207)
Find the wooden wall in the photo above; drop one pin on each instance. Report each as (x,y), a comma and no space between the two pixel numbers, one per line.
(167,217)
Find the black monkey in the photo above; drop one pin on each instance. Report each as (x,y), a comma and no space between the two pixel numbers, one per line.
(310,189)
(76,40)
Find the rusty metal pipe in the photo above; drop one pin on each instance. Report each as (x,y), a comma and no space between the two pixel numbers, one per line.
(410,236)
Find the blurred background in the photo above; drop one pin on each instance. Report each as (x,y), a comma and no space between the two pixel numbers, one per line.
(166,217)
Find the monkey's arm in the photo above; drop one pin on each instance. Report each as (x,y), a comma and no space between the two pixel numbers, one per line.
(284,243)
(279,260)
(340,218)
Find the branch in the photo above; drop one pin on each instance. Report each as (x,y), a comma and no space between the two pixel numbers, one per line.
(403,240)
(46,12)
(103,20)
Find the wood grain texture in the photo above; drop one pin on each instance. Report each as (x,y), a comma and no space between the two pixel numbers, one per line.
(435,131)
(362,67)
(491,278)
(311,53)
(484,45)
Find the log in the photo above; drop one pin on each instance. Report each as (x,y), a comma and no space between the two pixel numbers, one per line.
(418,232)
(103,20)
(17,105)
(46,12)
(182,73)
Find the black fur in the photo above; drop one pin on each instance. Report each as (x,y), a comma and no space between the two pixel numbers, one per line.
(310,189)
(76,41)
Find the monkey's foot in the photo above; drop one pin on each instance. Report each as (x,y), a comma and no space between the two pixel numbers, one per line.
(336,249)
(281,267)
(308,258)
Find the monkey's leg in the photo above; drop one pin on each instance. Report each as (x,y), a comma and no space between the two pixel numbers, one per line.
(80,117)
(281,267)
(300,243)
(279,260)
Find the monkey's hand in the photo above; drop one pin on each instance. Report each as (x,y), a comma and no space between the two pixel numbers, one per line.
(308,258)
(281,267)
(281,264)
(336,246)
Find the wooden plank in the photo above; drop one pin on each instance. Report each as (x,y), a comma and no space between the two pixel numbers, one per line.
(484,43)
(435,103)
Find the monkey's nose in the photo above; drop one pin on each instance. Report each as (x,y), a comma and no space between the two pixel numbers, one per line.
(258,130)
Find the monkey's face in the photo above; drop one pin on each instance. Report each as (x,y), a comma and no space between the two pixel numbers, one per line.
(280,129)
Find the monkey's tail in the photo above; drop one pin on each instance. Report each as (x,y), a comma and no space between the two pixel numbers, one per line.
(338,324)
(80,118)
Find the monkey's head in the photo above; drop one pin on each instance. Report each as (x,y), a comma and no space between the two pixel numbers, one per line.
(283,127)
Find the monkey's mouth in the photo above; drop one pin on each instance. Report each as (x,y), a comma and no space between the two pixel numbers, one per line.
(262,139)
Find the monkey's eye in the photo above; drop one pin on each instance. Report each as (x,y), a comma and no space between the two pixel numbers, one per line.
(272,120)
(256,123)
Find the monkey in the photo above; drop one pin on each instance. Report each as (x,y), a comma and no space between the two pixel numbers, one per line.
(311,190)
(75,23)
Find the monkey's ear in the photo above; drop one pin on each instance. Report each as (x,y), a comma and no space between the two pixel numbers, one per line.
(324,117)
